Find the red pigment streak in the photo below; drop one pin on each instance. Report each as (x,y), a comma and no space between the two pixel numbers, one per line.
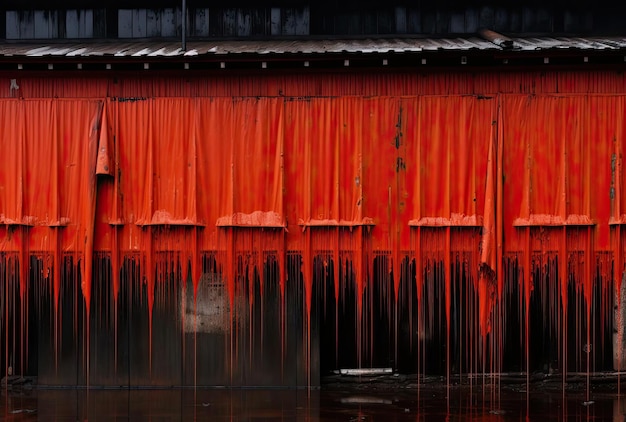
(454,186)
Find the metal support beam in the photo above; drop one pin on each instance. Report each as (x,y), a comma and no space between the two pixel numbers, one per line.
(184,26)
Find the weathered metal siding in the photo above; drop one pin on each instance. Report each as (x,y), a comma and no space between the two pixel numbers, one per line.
(454,209)
(320,18)
(218,22)
(51,24)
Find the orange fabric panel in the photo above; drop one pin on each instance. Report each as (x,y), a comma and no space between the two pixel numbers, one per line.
(349,158)
(12,172)
(595,186)
(213,132)
(449,179)
(230,135)
(327,135)
(257,137)
(78,135)
(50,184)
(552,161)
(389,163)
(136,164)
(42,159)
(452,138)
(385,163)
(558,185)
(173,154)
(48,143)
(607,129)
(319,159)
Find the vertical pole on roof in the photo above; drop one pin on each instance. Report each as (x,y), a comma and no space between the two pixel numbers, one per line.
(184,26)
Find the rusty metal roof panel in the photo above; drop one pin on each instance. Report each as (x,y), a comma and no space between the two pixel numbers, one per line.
(126,49)
(363,46)
(572,43)
(152,49)
(457,44)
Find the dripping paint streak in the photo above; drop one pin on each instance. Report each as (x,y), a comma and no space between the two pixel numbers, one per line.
(233,187)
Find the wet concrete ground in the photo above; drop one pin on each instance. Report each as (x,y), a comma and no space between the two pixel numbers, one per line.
(432,404)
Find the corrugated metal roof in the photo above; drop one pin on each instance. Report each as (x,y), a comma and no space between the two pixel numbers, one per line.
(149,49)
(590,43)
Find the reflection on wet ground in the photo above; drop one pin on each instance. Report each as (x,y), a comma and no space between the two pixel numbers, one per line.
(301,405)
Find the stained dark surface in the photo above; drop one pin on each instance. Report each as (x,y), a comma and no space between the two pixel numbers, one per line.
(477,404)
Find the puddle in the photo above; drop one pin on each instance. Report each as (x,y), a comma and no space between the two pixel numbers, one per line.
(300,405)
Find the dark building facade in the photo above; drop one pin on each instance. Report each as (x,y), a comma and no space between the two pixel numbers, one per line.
(294,189)
(241,19)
